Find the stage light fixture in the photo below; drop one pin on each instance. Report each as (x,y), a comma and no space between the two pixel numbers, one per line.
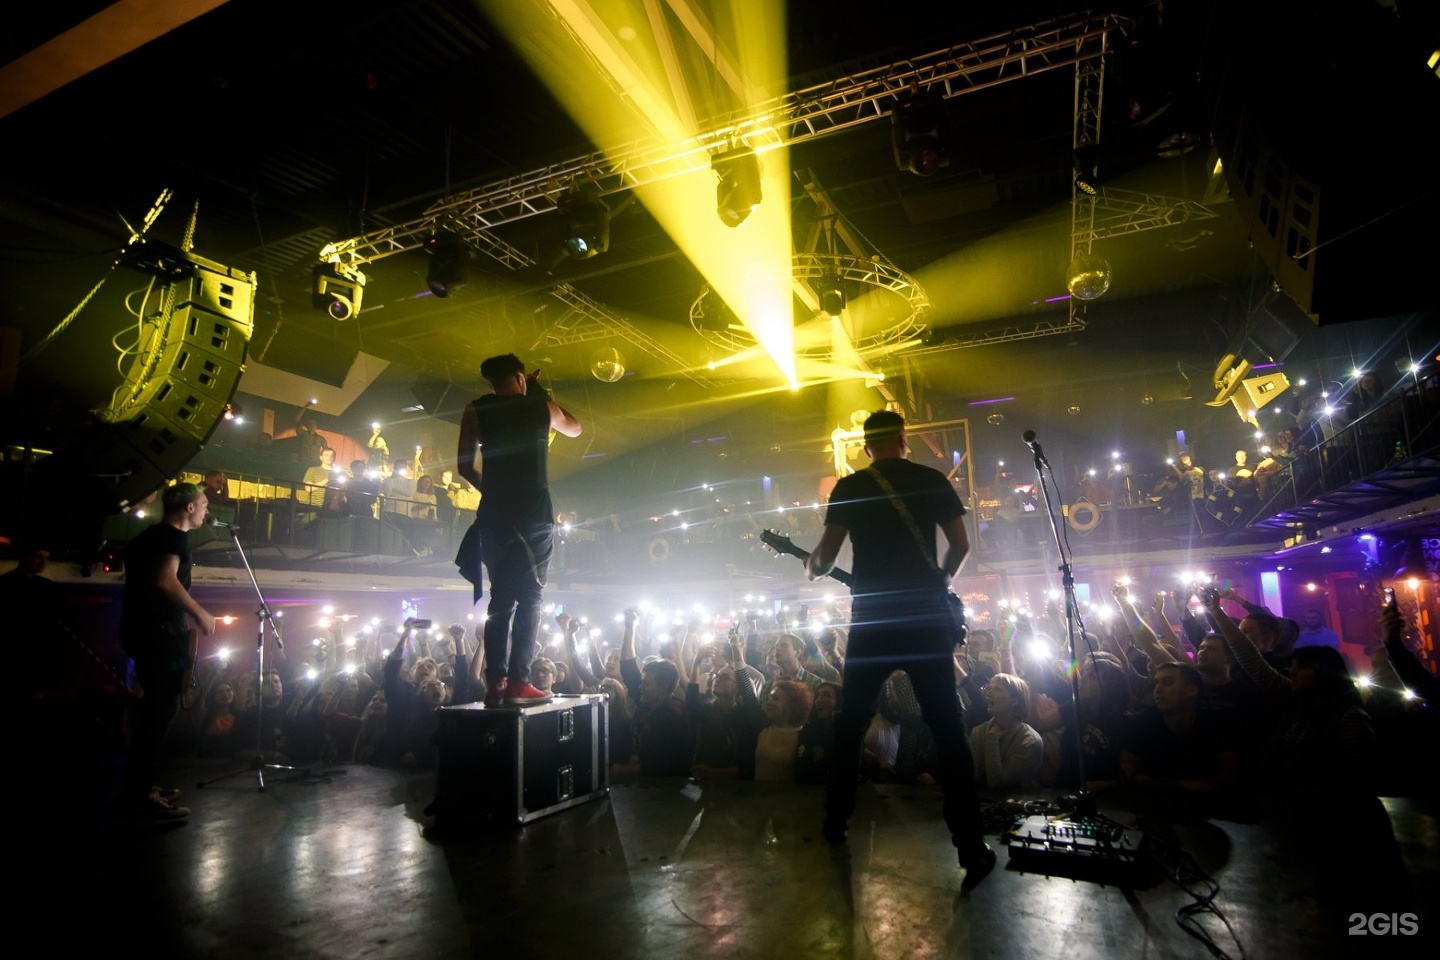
(586,223)
(338,289)
(738,192)
(449,261)
(832,296)
(918,132)
(1087,169)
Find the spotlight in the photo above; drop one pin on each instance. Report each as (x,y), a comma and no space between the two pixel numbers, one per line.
(832,296)
(448,261)
(338,288)
(738,192)
(1086,165)
(918,131)
(587,223)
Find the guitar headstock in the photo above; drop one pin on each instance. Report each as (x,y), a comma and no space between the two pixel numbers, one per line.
(781,544)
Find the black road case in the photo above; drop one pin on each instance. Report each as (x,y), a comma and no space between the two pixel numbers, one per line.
(511,764)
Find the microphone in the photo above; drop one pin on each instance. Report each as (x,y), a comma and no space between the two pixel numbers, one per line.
(1029,437)
(217,522)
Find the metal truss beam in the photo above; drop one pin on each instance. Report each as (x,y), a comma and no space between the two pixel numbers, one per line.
(793,118)
(588,320)
(1119,213)
(1008,334)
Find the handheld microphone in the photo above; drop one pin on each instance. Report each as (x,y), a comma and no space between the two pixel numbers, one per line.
(1029,437)
(217,522)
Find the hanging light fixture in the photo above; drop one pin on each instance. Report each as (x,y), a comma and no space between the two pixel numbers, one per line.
(738,192)
(449,256)
(919,131)
(586,222)
(338,289)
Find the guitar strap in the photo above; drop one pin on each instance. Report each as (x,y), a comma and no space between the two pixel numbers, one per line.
(954,608)
(927,549)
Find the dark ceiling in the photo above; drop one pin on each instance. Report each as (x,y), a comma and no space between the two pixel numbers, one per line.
(288,126)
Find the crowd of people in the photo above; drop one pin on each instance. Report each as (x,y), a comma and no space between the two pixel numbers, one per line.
(1204,705)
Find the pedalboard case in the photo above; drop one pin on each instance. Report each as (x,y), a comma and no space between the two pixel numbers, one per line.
(508,765)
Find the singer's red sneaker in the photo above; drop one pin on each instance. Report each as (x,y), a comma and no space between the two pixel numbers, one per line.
(523,694)
(495,693)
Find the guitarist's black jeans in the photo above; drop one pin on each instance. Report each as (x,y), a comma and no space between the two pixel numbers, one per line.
(161,678)
(872,655)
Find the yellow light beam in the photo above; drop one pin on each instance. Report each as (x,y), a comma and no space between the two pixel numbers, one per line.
(749,266)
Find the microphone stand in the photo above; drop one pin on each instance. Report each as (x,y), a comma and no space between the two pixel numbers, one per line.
(263,615)
(1084,801)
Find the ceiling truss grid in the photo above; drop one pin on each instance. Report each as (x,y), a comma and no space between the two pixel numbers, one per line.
(786,120)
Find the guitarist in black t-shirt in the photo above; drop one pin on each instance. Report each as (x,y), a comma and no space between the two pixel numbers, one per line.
(155,631)
(891,513)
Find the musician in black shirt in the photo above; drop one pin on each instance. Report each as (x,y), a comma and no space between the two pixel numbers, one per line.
(508,431)
(155,632)
(899,622)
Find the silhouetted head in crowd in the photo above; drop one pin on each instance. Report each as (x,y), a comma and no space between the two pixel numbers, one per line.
(1178,687)
(542,673)
(827,702)
(1323,676)
(789,703)
(1214,658)
(658,680)
(1262,630)
(1007,698)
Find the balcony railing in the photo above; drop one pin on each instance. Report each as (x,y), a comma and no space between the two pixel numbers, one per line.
(318,520)
(1381,457)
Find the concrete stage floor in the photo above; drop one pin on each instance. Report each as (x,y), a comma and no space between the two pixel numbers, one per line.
(344,867)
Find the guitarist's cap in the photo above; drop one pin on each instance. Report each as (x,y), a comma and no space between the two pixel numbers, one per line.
(883,427)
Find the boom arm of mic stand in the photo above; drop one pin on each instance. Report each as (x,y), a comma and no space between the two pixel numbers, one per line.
(265,614)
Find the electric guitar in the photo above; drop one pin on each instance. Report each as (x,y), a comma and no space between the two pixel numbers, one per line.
(782,544)
(954,607)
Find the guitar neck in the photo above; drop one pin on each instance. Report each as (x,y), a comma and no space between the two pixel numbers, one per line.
(842,575)
(783,545)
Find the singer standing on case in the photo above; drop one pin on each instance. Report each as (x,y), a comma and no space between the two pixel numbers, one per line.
(155,631)
(504,444)
(899,623)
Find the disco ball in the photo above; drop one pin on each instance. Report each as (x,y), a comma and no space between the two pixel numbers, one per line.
(1073,409)
(607,365)
(1147,399)
(995,419)
(1089,276)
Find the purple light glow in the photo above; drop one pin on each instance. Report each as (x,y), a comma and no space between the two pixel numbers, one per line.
(1063,296)
(982,403)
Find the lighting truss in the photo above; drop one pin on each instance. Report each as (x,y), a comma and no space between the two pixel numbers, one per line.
(796,117)
(1118,213)
(1007,334)
(806,269)
(588,320)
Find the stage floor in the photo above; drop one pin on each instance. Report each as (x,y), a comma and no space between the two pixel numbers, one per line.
(344,867)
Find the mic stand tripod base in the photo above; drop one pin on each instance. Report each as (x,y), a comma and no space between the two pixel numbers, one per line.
(258,766)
